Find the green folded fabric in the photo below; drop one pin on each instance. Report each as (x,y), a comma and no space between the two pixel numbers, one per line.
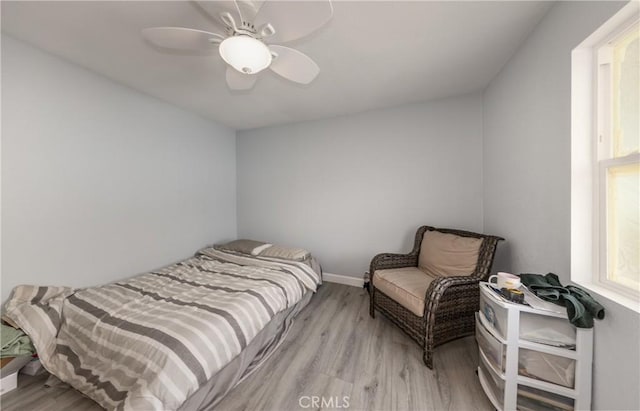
(553,280)
(576,312)
(14,342)
(543,288)
(594,307)
(581,307)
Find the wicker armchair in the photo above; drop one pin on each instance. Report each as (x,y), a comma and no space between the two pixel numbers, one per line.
(450,301)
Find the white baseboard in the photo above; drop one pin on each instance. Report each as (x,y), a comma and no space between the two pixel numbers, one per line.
(343,279)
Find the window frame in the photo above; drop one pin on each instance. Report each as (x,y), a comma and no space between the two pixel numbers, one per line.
(592,157)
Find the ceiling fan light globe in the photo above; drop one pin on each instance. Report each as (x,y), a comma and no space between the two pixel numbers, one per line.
(245,54)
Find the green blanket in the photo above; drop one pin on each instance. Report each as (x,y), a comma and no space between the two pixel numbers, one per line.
(15,343)
(581,307)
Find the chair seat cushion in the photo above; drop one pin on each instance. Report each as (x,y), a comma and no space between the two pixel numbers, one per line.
(407,286)
(445,254)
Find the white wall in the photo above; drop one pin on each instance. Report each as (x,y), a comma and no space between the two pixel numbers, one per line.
(100,182)
(527,182)
(350,187)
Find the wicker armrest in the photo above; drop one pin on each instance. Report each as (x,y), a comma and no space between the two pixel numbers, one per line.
(446,289)
(389,260)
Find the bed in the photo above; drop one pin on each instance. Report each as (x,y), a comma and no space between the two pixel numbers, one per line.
(178,338)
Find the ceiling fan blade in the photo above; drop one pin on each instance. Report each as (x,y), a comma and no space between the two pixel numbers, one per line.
(182,38)
(213,9)
(248,9)
(294,19)
(293,65)
(240,81)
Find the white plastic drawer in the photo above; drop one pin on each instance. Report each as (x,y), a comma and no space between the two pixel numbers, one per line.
(494,385)
(495,315)
(493,349)
(532,399)
(546,367)
(547,330)
(529,398)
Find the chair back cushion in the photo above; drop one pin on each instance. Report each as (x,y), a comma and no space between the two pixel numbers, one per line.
(407,286)
(444,254)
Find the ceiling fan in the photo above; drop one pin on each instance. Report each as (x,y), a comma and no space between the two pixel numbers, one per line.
(249,30)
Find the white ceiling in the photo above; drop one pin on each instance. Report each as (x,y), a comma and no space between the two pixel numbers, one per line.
(371,54)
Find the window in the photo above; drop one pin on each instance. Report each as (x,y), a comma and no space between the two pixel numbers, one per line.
(605,210)
(618,141)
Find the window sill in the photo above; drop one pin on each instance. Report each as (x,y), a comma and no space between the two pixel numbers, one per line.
(613,296)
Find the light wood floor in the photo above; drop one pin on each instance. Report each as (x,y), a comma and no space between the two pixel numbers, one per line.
(334,350)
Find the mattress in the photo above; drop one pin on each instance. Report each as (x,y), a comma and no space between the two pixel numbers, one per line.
(175,338)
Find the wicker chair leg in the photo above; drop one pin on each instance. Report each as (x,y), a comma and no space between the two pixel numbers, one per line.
(427,357)
(372,310)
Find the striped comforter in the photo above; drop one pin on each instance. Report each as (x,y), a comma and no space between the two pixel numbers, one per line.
(149,342)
